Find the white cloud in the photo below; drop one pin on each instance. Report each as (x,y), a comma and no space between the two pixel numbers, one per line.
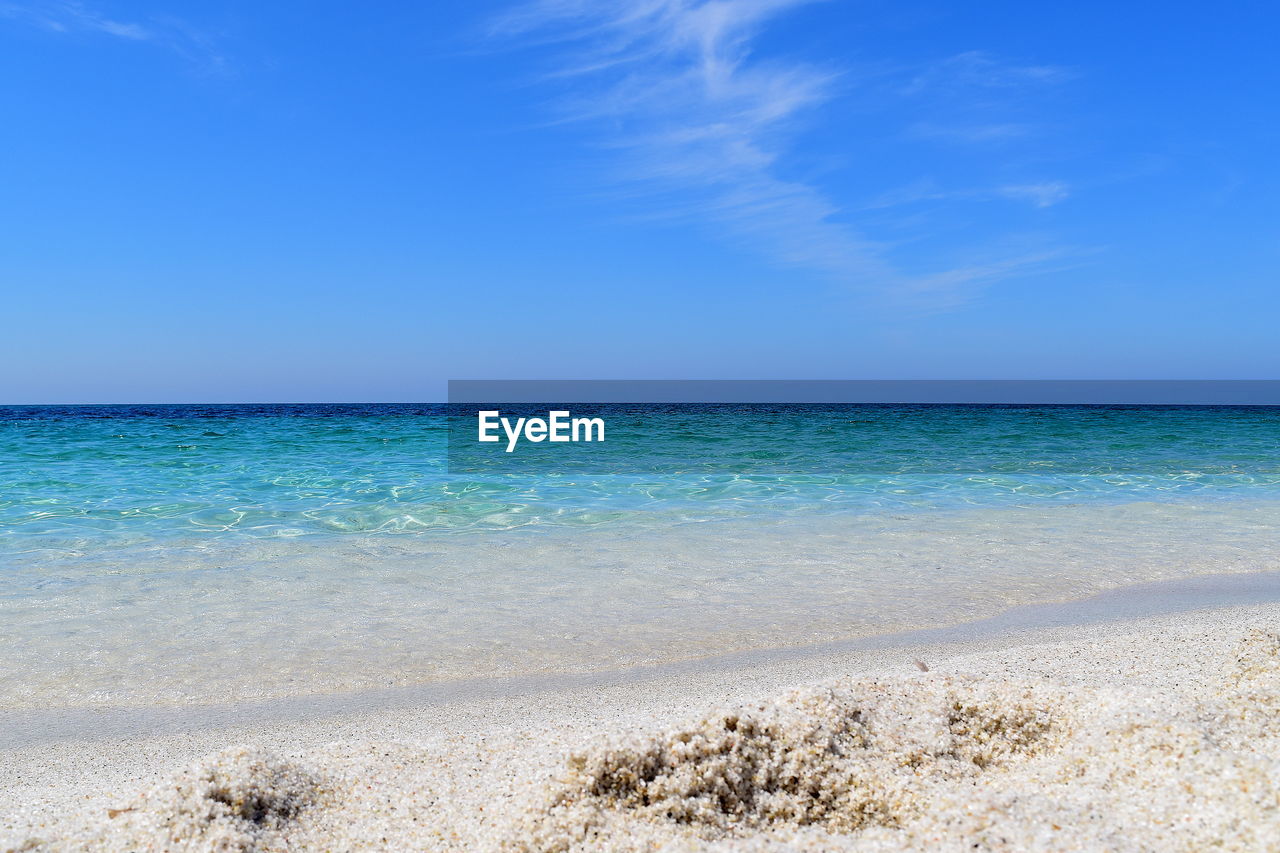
(700,120)
(1044,194)
(976,100)
(1041,194)
(699,117)
(63,17)
(944,290)
(975,133)
(976,70)
(70,17)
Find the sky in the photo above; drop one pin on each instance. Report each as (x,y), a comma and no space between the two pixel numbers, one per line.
(250,201)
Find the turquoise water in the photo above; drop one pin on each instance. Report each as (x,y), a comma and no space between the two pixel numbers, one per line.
(76,478)
(153,555)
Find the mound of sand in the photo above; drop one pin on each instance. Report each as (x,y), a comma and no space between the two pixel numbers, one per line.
(241,799)
(940,761)
(843,757)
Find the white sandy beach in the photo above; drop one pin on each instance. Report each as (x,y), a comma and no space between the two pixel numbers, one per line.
(1159,733)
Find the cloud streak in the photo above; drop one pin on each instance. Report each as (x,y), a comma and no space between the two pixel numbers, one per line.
(1041,194)
(975,70)
(698,118)
(1038,194)
(68,17)
(702,123)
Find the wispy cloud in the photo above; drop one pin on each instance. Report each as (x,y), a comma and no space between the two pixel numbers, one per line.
(699,118)
(69,17)
(977,70)
(971,132)
(973,99)
(703,122)
(1037,194)
(1042,194)
(64,17)
(940,291)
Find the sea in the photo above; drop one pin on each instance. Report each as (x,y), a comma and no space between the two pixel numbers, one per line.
(177,555)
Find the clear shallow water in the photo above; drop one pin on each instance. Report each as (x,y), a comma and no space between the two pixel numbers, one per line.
(178,554)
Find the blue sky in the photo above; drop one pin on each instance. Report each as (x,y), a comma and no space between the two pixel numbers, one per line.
(335,201)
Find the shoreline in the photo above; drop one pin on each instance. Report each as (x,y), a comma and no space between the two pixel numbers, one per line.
(505,742)
(229,625)
(23,728)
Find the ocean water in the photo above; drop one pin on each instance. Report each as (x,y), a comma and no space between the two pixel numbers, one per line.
(187,554)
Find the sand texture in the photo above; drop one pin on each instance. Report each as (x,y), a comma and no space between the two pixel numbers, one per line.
(1158,734)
